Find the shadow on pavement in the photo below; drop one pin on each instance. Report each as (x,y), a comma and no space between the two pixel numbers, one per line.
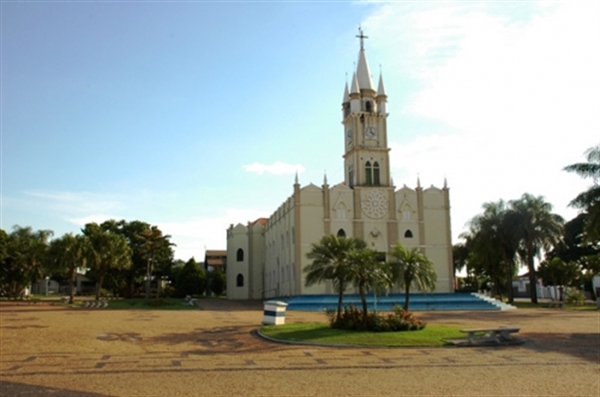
(12,389)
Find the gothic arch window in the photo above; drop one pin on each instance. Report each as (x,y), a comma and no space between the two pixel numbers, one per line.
(368,106)
(408,234)
(376,178)
(369,173)
(240,255)
(341,233)
(239,280)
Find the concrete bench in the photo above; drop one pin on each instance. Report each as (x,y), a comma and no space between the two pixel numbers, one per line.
(498,334)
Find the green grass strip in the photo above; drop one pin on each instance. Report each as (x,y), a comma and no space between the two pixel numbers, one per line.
(432,335)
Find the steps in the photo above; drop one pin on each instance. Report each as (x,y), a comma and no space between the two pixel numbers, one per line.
(417,302)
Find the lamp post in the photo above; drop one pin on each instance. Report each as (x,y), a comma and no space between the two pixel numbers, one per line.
(47,284)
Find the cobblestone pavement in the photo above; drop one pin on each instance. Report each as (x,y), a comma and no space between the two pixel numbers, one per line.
(50,350)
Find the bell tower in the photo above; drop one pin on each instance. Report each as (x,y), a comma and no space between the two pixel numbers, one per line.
(366,152)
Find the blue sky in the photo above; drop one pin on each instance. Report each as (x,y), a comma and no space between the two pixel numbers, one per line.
(196,115)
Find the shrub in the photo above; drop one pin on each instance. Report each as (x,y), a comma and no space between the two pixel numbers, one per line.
(575,297)
(352,319)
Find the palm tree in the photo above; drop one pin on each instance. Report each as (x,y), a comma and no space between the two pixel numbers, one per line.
(67,253)
(365,272)
(412,269)
(589,201)
(108,251)
(539,230)
(500,225)
(329,263)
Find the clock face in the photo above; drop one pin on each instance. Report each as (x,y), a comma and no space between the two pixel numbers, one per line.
(370,132)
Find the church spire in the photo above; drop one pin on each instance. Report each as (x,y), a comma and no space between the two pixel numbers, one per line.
(363,74)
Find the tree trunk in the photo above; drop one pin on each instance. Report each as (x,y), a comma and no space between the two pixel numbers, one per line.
(406,297)
(363,299)
(340,300)
(509,290)
(71,285)
(532,277)
(100,279)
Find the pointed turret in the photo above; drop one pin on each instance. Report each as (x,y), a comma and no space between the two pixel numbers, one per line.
(381,96)
(346,102)
(346,94)
(354,95)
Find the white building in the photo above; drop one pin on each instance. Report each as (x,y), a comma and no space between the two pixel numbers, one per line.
(266,258)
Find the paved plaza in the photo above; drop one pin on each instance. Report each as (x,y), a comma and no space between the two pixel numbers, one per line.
(49,350)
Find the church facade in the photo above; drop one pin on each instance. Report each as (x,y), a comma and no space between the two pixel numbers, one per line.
(266,258)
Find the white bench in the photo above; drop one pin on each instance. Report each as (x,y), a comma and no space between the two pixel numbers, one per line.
(498,334)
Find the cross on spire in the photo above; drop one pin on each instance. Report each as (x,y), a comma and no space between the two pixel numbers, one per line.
(361,36)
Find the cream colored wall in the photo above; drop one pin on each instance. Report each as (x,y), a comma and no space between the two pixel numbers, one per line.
(311,229)
(257,261)
(237,237)
(279,274)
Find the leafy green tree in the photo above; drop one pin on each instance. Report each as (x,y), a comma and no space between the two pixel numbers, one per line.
(66,254)
(539,230)
(158,256)
(365,272)
(559,274)
(412,269)
(152,242)
(109,252)
(24,259)
(589,201)
(191,279)
(329,263)
(218,281)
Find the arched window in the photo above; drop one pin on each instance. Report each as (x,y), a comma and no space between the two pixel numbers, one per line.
(240,255)
(408,234)
(240,280)
(368,106)
(341,233)
(369,173)
(376,179)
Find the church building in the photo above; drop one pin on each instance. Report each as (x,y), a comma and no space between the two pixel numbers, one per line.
(266,258)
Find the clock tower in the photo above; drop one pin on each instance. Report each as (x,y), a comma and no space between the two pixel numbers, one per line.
(366,152)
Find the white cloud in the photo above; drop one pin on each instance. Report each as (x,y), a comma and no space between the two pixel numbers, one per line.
(520,98)
(195,235)
(277,168)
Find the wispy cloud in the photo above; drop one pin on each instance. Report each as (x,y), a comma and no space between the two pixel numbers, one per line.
(519,98)
(277,168)
(194,235)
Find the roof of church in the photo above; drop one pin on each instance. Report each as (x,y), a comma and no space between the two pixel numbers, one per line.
(260,221)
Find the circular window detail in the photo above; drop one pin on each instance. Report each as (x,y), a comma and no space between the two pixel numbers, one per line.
(375,204)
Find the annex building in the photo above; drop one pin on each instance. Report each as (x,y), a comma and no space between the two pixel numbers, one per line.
(266,258)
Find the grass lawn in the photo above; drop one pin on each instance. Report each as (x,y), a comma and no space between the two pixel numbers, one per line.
(432,335)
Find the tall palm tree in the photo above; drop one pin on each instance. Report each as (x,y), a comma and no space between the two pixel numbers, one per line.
(589,201)
(500,225)
(329,263)
(366,272)
(412,269)
(66,254)
(539,230)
